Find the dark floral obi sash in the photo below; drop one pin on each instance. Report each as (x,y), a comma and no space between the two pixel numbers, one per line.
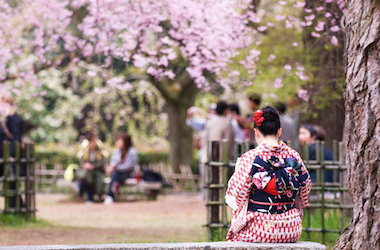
(276,185)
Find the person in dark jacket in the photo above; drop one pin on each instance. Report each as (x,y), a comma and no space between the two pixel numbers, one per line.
(11,128)
(308,134)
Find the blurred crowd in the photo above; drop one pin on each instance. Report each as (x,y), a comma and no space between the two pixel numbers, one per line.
(224,121)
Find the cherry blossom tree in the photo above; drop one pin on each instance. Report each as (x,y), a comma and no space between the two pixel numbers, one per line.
(182,47)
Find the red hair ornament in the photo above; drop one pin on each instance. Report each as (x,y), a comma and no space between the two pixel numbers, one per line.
(258,118)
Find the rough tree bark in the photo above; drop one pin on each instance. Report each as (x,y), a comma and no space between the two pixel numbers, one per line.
(179,96)
(362,128)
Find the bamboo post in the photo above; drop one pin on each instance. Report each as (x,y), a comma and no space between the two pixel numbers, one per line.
(308,221)
(322,163)
(215,156)
(318,159)
(6,153)
(207,184)
(243,148)
(16,165)
(6,176)
(33,184)
(27,182)
(225,171)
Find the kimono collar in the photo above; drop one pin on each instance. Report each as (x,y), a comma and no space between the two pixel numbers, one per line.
(281,147)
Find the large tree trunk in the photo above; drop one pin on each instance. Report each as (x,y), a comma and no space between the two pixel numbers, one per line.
(180,135)
(362,128)
(179,95)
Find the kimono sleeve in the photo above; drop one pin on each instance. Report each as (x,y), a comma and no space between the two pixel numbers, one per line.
(240,184)
(305,187)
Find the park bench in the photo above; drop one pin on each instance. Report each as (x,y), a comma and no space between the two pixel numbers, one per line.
(149,189)
(46,179)
(180,181)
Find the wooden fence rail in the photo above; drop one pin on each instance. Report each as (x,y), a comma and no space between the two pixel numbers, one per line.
(219,169)
(17,179)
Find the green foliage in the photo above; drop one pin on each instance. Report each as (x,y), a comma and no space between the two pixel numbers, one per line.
(332,221)
(19,220)
(50,157)
(147,158)
(217,234)
(65,105)
(48,110)
(277,41)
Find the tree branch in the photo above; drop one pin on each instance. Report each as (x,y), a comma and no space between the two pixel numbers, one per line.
(60,57)
(168,91)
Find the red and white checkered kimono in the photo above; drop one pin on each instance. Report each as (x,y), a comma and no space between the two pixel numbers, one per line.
(256,226)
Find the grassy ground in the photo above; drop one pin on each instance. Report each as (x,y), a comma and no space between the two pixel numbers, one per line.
(172,218)
(332,221)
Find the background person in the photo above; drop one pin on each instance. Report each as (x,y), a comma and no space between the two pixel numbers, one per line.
(198,124)
(220,128)
(269,187)
(11,129)
(197,118)
(122,165)
(237,123)
(92,166)
(308,134)
(253,103)
(287,124)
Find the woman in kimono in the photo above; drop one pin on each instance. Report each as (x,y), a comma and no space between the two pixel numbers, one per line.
(269,187)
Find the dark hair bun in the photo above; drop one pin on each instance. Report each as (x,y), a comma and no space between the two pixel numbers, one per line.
(270,114)
(271,123)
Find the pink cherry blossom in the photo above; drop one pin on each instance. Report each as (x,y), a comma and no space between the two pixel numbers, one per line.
(288,24)
(271,57)
(319,8)
(334,40)
(301,75)
(91,73)
(262,28)
(278,83)
(310,18)
(280,18)
(335,28)
(288,67)
(320,26)
(300,68)
(314,34)
(299,5)
(303,94)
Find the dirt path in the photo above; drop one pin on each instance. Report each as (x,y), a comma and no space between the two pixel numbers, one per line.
(172,218)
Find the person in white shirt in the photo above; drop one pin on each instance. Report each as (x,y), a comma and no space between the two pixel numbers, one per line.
(237,123)
(122,165)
